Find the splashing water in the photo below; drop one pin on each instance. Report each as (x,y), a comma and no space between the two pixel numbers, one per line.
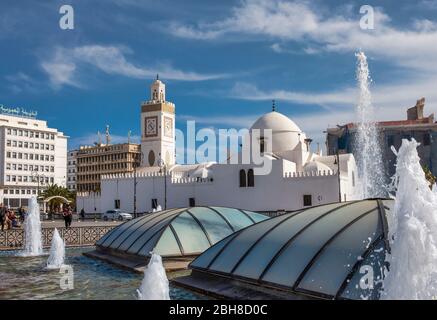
(157,209)
(57,252)
(32,230)
(369,159)
(155,285)
(412,231)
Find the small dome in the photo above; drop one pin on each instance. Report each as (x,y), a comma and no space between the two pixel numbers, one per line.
(285,132)
(312,253)
(176,232)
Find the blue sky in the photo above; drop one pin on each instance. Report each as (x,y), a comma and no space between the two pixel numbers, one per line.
(223,61)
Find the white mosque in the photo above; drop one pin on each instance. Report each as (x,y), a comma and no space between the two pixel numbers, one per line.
(298,178)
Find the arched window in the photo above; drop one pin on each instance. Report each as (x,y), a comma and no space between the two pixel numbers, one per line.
(353,179)
(261,144)
(151,158)
(242,178)
(250,178)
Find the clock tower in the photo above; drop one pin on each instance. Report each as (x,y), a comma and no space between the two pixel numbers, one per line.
(157,127)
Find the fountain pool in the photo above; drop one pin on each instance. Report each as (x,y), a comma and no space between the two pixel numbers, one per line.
(27,278)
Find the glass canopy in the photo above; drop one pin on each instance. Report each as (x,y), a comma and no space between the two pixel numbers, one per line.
(316,252)
(177,232)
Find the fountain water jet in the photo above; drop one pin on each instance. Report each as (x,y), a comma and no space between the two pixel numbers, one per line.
(32,230)
(155,285)
(412,231)
(57,252)
(369,156)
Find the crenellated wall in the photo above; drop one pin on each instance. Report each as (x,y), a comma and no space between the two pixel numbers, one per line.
(280,190)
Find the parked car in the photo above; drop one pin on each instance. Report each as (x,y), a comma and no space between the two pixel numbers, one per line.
(116,215)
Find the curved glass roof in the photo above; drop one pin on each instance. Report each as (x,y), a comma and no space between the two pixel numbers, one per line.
(319,251)
(177,232)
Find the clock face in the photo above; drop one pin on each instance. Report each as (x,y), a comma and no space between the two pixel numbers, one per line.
(151,126)
(168,127)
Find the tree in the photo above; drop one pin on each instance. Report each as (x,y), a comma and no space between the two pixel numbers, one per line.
(429,176)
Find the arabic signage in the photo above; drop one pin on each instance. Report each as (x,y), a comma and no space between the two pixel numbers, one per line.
(17,111)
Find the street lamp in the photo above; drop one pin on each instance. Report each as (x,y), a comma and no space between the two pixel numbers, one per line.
(163,166)
(36,175)
(135,183)
(337,162)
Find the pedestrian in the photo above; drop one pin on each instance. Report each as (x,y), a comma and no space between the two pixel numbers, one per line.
(21,214)
(70,216)
(65,215)
(82,214)
(2,216)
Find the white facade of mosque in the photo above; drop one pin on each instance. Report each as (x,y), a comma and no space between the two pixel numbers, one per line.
(298,177)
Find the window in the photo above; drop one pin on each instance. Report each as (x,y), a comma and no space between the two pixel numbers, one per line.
(353,179)
(117,204)
(191,202)
(426,139)
(8,143)
(8,154)
(154,203)
(390,140)
(261,144)
(307,200)
(8,166)
(242,178)
(250,178)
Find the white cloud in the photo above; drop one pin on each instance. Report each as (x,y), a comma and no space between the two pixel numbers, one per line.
(63,67)
(60,73)
(413,46)
(247,91)
(22,82)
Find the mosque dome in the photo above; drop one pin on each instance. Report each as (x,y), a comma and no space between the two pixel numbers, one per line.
(316,252)
(286,134)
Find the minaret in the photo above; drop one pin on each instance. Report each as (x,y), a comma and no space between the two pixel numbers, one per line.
(108,136)
(157,90)
(157,127)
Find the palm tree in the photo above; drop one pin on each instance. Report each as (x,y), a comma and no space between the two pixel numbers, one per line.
(55,190)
